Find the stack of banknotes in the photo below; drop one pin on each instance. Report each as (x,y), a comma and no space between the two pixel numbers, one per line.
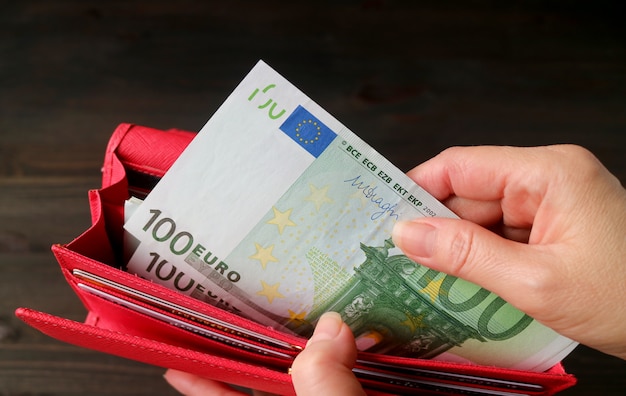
(279,213)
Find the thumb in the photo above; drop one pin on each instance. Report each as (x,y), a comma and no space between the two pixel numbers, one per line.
(466,250)
(325,365)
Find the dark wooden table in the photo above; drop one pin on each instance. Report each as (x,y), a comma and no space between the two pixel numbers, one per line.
(410,77)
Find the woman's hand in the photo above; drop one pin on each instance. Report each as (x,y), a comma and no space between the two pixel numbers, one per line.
(544,228)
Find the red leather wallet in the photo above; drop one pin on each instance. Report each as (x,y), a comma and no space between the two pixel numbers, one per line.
(211,342)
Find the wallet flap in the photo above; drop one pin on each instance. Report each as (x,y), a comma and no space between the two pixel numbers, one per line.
(158,353)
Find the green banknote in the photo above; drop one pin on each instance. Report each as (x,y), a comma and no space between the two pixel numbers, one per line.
(277,212)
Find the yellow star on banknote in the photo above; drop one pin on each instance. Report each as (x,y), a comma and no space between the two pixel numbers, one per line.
(270,291)
(296,316)
(297,319)
(318,196)
(432,289)
(264,255)
(281,219)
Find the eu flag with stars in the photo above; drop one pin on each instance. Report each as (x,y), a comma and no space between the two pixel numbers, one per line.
(308,131)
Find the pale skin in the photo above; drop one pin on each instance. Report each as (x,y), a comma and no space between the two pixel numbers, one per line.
(544,228)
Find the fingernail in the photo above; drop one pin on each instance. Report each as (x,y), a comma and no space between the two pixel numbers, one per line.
(415,238)
(328,327)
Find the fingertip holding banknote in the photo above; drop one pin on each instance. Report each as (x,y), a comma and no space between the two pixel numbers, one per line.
(415,238)
(325,365)
(328,327)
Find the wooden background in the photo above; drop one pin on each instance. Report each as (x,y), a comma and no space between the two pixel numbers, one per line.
(410,77)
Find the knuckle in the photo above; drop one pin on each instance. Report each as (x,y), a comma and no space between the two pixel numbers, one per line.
(577,157)
(538,287)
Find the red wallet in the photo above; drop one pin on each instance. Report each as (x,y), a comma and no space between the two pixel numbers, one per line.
(134,318)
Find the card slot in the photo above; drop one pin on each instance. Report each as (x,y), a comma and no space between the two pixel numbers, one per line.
(173,304)
(406,385)
(463,379)
(71,261)
(474,376)
(113,315)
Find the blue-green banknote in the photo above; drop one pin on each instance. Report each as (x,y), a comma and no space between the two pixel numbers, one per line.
(276,211)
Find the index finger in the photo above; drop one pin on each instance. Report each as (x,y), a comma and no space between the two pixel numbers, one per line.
(482,173)
(489,183)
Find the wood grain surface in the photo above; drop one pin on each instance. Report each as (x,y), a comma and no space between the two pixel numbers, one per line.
(410,77)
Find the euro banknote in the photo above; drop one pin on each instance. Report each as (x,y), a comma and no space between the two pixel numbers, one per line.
(278,212)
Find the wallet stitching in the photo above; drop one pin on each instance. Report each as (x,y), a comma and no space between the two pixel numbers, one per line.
(144,169)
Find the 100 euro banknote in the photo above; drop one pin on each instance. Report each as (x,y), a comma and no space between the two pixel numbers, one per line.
(276,211)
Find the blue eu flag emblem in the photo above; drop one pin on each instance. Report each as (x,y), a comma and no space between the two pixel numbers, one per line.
(308,131)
